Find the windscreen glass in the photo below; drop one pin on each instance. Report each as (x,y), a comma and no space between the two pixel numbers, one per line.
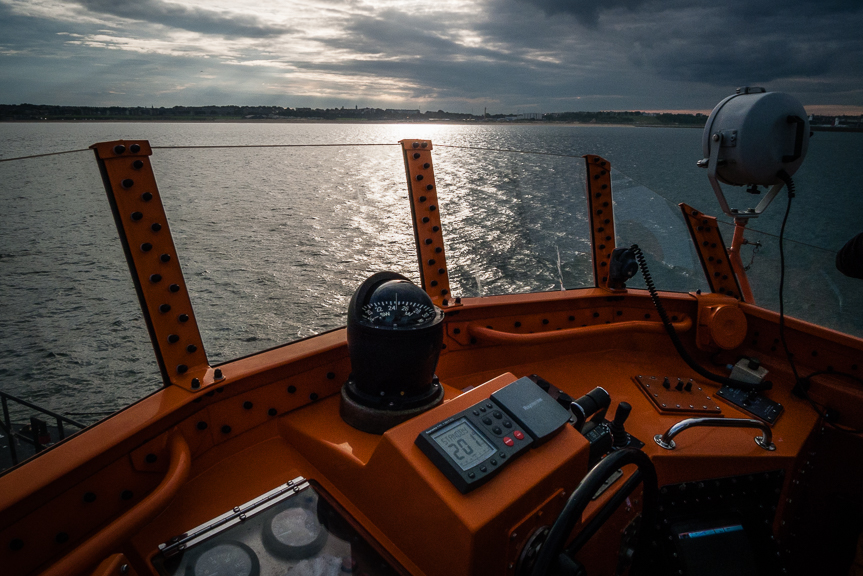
(74,342)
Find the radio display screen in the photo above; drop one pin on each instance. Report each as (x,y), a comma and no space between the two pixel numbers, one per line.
(463,443)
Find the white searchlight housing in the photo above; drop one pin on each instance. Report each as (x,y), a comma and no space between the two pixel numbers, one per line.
(751,137)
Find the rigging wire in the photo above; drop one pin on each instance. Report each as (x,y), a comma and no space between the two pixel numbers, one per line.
(268,146)
(813,246)
(208,146)
(44,155)
(508,150)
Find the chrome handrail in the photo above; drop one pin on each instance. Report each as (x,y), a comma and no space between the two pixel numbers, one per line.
(764,441)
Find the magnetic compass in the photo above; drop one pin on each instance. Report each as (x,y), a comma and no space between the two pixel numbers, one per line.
(394,305)
(395,334)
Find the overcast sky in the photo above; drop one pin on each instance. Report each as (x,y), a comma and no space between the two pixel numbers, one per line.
(455,55)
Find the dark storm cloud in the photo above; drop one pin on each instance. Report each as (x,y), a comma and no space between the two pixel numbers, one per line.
(586,11)
(187,18)
(729,42)
(434,64)
(399,35)
(395,44)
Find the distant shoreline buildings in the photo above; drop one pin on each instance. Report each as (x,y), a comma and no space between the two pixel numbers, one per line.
(35,112)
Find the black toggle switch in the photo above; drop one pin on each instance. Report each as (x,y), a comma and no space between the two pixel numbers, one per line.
(618,433)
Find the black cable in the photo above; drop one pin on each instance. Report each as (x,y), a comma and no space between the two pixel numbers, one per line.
(654,295)
(799,386)
(802,385)
(827,414)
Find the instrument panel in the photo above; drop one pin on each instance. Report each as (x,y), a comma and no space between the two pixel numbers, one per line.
(293,529)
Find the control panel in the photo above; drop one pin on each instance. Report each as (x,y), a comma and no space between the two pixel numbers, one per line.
(751,401)
(470,447)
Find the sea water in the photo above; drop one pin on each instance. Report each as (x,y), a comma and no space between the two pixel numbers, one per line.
(275,228)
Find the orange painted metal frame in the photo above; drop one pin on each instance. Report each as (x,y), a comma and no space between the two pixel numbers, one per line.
(152,257)
(711,251)
(600,210)
(425,211)
(737,241)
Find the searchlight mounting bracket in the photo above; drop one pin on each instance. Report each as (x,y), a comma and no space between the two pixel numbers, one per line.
(721,140)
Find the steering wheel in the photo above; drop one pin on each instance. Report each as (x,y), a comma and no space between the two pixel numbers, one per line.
(554,543)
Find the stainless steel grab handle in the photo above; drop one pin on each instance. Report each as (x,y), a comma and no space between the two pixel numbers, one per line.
(764,441)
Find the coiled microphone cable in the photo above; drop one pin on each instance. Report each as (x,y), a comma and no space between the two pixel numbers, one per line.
(654,295)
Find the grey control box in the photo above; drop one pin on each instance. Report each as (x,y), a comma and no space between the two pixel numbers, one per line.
(531,407)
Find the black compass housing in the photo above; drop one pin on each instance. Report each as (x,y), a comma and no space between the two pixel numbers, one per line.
(395,334)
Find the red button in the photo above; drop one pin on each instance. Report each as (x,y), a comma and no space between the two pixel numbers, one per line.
(518,435)
(508,441)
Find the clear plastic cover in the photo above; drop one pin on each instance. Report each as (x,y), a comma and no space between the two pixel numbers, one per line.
(303,535)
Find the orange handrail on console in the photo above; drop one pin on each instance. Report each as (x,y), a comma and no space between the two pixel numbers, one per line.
(637,326)
(107,540)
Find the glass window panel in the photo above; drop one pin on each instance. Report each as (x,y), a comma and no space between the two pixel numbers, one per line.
(814,289)
(73,338)
(513,222)
(643,217)
(273,242)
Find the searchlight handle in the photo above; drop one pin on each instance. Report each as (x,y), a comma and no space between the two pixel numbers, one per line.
(798,138)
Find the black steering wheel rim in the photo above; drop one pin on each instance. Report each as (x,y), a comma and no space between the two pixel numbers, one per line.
(580,498)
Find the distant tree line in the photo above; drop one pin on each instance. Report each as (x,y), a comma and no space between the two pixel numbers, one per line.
(644,118)
(21,112)
(44,112)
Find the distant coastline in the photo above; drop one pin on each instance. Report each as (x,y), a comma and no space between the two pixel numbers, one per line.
(362,122)
(37,113)
(276,114)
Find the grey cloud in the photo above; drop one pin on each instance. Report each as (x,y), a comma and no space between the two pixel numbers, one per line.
(585,11)
(33,35)
(398,35)
(423,55)
(735,47)
(729,42)
(193,19)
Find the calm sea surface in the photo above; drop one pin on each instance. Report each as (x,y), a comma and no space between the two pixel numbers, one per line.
(274,240)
